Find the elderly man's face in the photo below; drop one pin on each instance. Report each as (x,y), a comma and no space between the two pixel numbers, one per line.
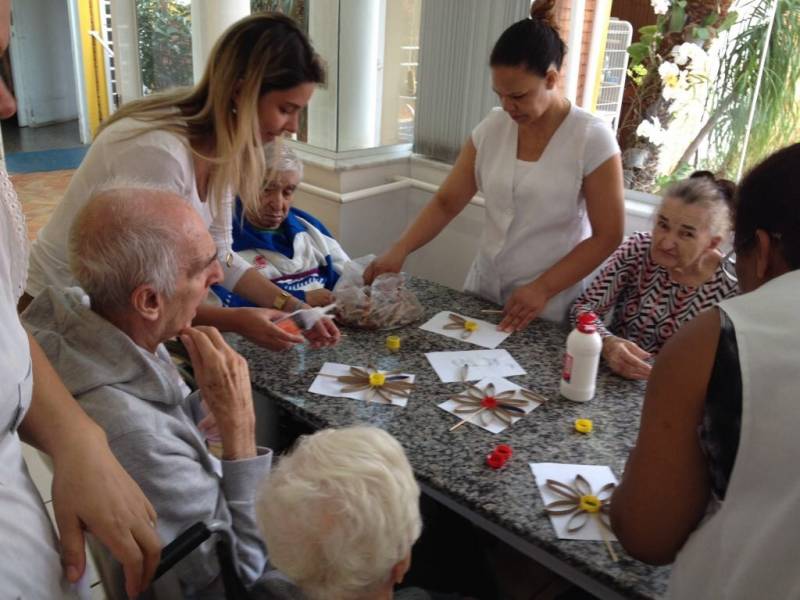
(201,270)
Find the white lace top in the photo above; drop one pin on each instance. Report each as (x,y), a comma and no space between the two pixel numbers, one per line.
(14,252)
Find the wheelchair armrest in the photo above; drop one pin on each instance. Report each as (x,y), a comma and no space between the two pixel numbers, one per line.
(181,546)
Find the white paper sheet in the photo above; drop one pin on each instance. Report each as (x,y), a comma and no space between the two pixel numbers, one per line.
(486,335)
(493,423)
(449,366)
(328,386)
(596,475)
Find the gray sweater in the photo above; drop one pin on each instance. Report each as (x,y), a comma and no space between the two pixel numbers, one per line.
(136,397)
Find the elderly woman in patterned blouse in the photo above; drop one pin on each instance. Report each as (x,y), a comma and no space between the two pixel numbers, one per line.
(656,281)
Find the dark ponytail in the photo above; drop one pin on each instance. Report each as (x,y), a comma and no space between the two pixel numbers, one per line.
(533,43)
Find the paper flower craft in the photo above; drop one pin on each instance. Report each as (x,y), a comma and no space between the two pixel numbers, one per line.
(485,402)
(459,322)
(383,384)
(581,503)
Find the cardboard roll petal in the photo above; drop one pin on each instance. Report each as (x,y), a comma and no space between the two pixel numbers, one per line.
(485,403)
(580,501)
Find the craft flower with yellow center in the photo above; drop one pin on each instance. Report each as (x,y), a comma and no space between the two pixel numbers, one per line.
(581,503)
(386,385)
(466,326)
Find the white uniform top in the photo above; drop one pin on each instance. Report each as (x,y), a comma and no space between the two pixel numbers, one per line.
(535,211)
(158,158)
(748,548)
(29,562)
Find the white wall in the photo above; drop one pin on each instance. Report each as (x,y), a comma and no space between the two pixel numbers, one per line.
(41,56)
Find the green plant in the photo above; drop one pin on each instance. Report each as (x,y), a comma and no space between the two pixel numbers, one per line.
(165,43)
(776,121)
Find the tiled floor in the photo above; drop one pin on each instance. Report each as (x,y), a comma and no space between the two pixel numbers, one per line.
(29,139)
(39,193)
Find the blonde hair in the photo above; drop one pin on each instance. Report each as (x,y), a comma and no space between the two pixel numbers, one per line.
(254,56)
(340,511)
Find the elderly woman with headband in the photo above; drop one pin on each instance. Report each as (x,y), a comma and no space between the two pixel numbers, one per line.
(286,245)
(710,483)
(204,143)
(657,280)
(551,176)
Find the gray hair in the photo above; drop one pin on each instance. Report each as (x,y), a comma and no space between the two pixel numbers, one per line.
(119,241)
(340,511)
(706,193)
(280,158)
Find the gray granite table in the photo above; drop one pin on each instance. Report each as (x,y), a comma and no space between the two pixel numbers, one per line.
(450,466)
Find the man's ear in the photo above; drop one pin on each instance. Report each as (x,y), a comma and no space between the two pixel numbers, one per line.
(762,248)
(147,302)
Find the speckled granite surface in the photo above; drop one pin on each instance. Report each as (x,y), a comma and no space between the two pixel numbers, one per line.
(453,463)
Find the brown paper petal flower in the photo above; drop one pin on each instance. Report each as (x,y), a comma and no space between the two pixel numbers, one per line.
(504,406)
(385,385)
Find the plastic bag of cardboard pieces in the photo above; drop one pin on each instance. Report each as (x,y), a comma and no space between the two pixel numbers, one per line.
(385,304)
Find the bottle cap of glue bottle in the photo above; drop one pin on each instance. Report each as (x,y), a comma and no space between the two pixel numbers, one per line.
(584,346)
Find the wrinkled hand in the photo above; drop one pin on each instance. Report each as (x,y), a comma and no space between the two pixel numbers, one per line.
(224,381)
(524,305)
(626,358)
(320,297)
(256,325)
(92,491)
(390,261)
(324,333)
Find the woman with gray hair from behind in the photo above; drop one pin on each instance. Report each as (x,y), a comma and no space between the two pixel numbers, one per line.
(340,514)
(655,281)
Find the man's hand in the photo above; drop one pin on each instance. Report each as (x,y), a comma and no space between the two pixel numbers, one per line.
(626,358)
(224,381)
(92,491)
(390,261)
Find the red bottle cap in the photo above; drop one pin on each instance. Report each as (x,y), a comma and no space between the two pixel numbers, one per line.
(495,460)
(504,450)
(587,322)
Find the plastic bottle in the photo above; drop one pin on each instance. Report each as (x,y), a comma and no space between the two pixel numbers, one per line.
(584,346)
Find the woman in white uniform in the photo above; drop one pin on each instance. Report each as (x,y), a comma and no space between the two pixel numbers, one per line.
(90,489)
(203,143)
(551,176)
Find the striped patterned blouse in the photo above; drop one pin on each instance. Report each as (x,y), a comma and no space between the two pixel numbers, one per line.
(645,305)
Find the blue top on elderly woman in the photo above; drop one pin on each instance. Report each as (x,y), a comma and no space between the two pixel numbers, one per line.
(287,245)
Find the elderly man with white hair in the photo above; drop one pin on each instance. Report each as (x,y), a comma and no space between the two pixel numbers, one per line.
(145,261)
(340,514)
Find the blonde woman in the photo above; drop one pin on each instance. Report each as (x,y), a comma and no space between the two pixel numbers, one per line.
(203,143)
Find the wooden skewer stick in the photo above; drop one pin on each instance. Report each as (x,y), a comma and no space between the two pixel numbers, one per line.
(459,424)
(492,311)
(610,548)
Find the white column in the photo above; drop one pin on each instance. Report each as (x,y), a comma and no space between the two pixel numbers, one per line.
(209,19)
(323,29)
(359,54)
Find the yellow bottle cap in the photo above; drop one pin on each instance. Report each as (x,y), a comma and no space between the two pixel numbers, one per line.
(583,425)
(590,504)
(377,379)
(470,325)
(393,342)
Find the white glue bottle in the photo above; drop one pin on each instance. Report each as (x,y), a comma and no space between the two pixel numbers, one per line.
(584,346)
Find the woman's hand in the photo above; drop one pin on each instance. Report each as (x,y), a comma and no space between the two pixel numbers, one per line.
(323,334)
(91,491)
(524,305)
(320,297)
(390,261)
(626,358)
(256,325)
(224,381)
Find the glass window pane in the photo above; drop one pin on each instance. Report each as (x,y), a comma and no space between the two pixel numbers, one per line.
(165,43)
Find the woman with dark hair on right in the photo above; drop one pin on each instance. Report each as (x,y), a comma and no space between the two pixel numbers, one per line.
(551,176)
(711,481)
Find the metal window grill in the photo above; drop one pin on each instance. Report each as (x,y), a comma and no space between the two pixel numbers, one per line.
(615,66)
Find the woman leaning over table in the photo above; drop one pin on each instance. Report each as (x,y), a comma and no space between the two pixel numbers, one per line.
(657,280)
(203,143)
(551,176)
(711,482)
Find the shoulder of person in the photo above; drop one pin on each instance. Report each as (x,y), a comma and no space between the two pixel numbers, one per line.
(493,121)
(636,244)
(142,134)
(311,221)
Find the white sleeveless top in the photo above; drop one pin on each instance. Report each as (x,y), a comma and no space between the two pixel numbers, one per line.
(29,562)
(535,210)
(749,547)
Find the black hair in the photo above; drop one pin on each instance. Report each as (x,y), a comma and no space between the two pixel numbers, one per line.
(726,187)
(533,43)
(769,199)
